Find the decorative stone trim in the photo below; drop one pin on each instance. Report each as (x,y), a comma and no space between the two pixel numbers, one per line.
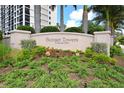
(20,31)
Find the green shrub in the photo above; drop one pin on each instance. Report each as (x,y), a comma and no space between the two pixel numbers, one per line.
(28,44)
(97,84)
(15,83)
(24,54)
(35,73)
(26,28)
(5,63)
(39,50)
(89,53)
(102,58)
(4,50)
(121,39)
(34,65)
(1,35)
(57,79)
(15,79)
(83,73)
(118,68)
(49,29)
(92,27)
(21,64)
(115,50)
(55,65)
(73,29)
(99,47)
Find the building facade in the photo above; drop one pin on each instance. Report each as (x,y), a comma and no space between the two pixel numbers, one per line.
(37,16)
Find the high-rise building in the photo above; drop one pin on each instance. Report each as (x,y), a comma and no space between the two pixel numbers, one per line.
(36,16)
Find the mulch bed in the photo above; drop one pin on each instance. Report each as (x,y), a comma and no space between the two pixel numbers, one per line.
(120,60)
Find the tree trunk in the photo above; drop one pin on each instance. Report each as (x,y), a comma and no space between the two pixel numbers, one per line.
(85,19)
(107,20)
(62,18)
(37,17)
(112,29)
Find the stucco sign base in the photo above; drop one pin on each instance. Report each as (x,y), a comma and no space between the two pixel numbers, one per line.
(61,40)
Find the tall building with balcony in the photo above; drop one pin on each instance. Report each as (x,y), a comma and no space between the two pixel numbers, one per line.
(37,16)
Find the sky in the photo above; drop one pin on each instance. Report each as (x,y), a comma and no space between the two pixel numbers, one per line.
(73,17)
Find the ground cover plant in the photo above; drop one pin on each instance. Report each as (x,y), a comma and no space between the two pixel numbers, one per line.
(42,67)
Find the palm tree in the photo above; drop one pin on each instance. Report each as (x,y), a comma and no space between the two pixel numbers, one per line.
(112,16)
(37,19)
(61,18)
(62,26)
(85,19)
(102,13)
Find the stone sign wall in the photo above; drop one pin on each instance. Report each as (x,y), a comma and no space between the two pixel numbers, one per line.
(61,40)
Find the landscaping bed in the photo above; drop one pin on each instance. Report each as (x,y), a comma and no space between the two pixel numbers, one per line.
(53,68)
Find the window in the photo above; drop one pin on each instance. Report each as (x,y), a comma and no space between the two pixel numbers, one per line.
(27,11)
(19,6)
(21,11)
(18,12)
(27,18)
(27,23)
(14,26)
(15,20)
(28,6)
(14,14)
(21,18)
(21,23)
(15,7)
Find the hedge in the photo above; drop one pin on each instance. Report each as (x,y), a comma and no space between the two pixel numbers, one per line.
(49,29)
(73,29)
(26,28)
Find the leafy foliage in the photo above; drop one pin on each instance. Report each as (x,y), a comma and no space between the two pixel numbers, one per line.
(28,44)
(92,68)
(93,27)
(39,50)
(26,28)
(99,47)
(121,39)
(111,16)
(89,52)
(23,55)
(115,50)
(4,49)
(6,63)
(57,79)
(102,58)
(34,65)
(15,79)
(49,29)
(21,64)
(1,35)
(73,29)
